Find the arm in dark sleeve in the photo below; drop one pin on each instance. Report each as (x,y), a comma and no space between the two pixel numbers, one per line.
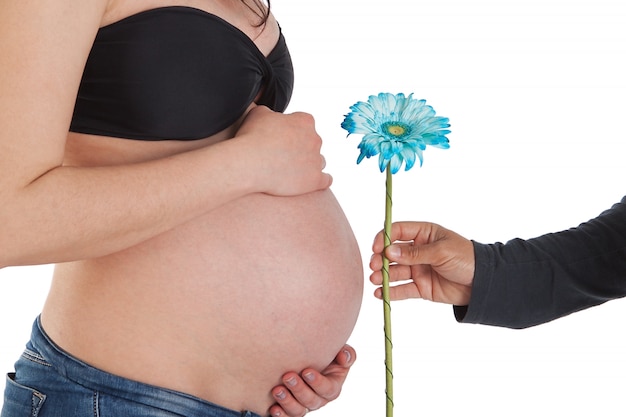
(527,282)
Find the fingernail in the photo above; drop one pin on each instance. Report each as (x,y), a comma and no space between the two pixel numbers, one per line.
(291,382)
(348,355)
(280,395)
(309,376)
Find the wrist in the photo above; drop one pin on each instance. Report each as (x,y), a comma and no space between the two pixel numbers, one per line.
(239,166)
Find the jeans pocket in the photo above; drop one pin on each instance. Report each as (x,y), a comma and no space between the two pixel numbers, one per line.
(33,356)
(21,401)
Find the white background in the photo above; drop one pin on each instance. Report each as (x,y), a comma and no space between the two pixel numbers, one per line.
(535,94)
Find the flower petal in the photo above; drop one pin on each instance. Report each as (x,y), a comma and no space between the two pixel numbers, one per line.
(420,128)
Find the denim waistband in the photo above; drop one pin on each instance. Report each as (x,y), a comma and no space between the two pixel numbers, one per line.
(98,380)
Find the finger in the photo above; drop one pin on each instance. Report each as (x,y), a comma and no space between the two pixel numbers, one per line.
(299,397)
(417,232)
(286,403)
(396,273)
(376,278)
(420,232)
(327,181)
(313,389)
(400,292)
(346,357)
(329,382)
(399,231)
(415,254)
(379,242)
(277,411)
(401,273)
(376,261)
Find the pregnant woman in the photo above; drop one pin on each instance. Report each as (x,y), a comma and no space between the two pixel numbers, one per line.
(199,252)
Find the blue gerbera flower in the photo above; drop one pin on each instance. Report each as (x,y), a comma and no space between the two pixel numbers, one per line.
(397,128)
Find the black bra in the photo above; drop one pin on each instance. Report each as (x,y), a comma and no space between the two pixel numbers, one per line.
(176,73)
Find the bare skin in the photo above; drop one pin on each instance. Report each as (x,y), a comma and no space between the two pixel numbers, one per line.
(310,389)
(204,264)
(428,261)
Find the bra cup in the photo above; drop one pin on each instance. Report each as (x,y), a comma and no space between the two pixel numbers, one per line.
(176,73)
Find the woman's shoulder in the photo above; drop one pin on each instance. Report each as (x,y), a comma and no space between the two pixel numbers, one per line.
(43,47)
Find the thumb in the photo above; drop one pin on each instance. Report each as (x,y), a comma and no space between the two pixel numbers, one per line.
(405,254)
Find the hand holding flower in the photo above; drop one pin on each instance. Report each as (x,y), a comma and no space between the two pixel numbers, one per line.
(431,262)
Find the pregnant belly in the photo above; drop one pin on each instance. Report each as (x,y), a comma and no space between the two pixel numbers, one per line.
(279,285)
(230,301)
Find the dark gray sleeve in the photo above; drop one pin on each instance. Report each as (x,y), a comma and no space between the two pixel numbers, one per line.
(527,282)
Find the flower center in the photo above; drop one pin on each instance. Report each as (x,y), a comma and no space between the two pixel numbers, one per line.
(396,129)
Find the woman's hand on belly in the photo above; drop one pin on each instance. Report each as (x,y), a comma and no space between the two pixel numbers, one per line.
(288,156)
(138,190)
(310,390)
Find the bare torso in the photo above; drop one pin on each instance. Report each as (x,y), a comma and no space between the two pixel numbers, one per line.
(221,306)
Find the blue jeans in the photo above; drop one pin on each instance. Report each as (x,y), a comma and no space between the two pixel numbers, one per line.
(48,382)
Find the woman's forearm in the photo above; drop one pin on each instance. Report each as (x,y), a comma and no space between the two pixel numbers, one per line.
(73,213)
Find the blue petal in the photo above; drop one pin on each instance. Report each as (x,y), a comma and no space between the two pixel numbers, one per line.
(357,123)
(370,144)
(386,149)
(382,162)
(383,103)
(420,156)
(415,111)
(424,128)
(395,163)
(409,157)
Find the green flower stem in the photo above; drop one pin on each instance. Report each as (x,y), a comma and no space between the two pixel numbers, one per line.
(386,303)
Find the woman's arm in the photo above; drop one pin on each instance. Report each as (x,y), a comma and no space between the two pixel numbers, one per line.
(54,213)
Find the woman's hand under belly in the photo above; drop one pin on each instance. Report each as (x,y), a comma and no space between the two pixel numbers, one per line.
(280,279)
(222,306)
